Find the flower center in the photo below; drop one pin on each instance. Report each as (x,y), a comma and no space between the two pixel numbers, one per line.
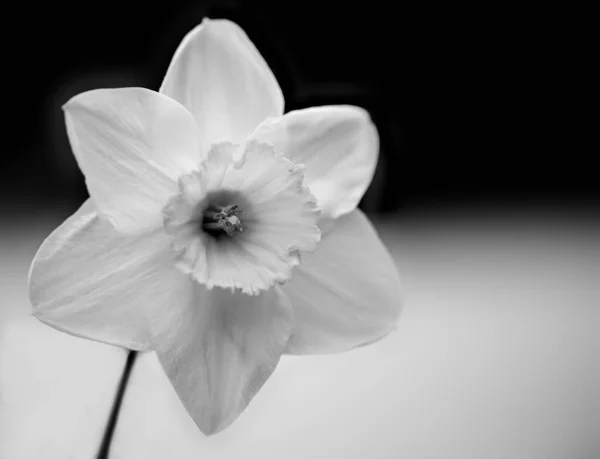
(221,246)
(222,219)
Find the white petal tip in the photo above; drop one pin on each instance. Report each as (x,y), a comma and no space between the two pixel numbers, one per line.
(76,100)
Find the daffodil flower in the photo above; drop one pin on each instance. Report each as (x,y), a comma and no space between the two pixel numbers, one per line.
(219,233)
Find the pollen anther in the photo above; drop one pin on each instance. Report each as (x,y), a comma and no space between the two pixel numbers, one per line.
(226,219)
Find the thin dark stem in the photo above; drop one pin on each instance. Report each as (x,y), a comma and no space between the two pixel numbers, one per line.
(116,408)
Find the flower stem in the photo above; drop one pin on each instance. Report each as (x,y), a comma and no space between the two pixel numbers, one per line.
(116,408)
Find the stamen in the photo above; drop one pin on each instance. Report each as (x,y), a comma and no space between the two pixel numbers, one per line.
(219,219)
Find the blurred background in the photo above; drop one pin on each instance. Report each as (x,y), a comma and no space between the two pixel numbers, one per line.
(482,193)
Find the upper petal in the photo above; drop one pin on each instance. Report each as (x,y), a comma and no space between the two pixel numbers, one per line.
(346,293)
(131,144)
(219,75)
(339,146)
(90,281)
(225,351)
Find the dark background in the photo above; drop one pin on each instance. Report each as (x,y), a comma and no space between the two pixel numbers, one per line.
(471,103)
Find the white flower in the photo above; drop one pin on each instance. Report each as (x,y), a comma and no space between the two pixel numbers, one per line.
(206,203)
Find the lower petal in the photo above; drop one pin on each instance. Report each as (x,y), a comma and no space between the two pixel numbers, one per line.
(226,350)
(90,281)
(346,293)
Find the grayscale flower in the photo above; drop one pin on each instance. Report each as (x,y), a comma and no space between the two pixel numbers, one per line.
(219,232)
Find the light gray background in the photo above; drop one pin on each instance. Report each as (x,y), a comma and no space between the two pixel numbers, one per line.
(496,356)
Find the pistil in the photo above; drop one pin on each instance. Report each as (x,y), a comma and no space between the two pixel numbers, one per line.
(218,219)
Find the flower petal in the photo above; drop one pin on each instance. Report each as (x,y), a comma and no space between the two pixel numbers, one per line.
(339,146)
(346,293)
(90,281)
(131,144)
(225,351)
(219,75)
